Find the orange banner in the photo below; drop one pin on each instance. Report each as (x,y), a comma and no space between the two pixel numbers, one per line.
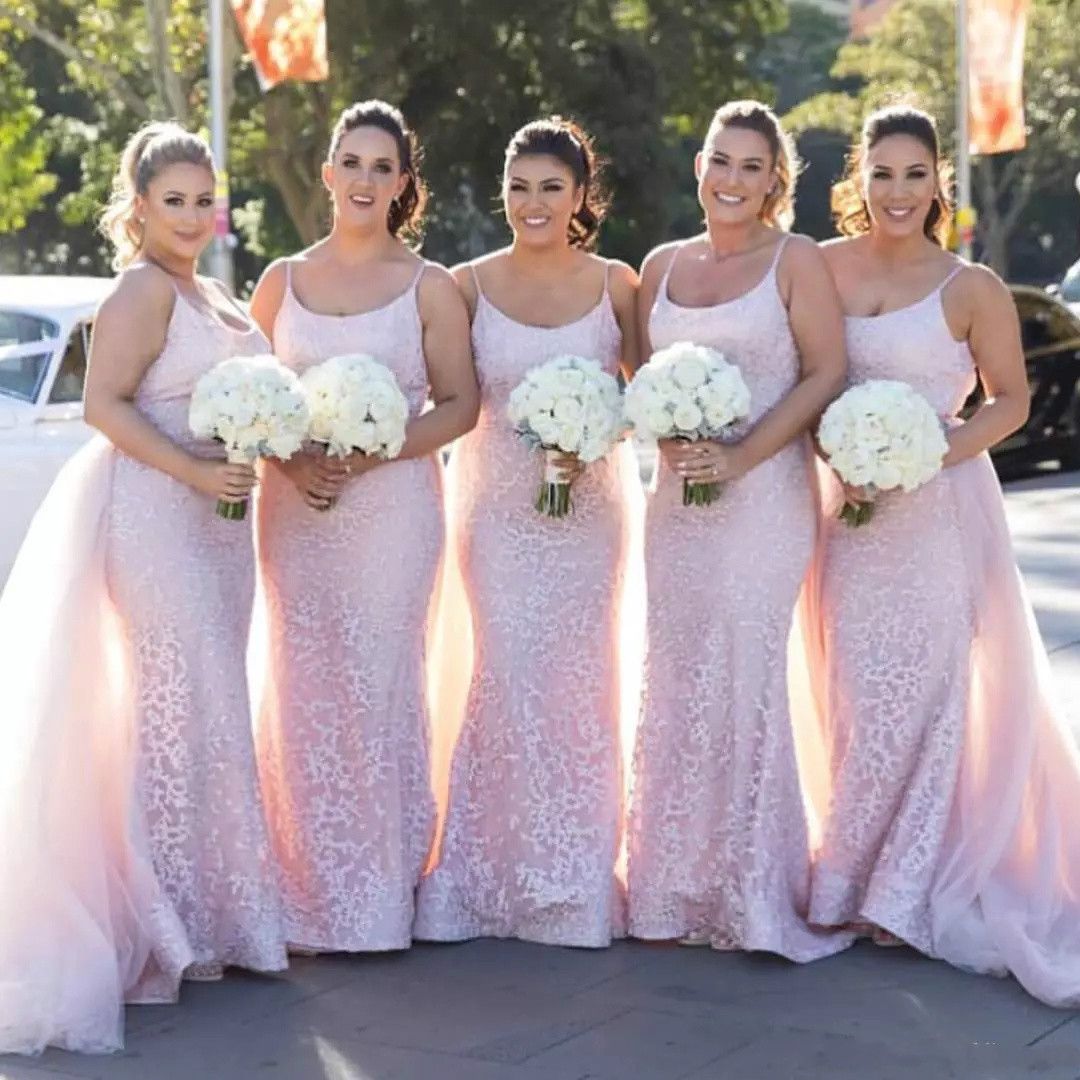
(286,39)
(996,30)
(866,14)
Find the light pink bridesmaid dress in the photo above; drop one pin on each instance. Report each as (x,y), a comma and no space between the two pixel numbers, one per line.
(955,790)
(718,836)
(532,828)
(134,840)
(343,731)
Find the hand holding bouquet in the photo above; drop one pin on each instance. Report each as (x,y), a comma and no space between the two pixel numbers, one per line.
(688,392)
(566,406)
(256,407)
(356,406)
(881,435)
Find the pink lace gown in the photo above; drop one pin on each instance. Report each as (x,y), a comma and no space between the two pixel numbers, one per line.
(954,787)
(532,828)
(343,731)
(718,837)
(134,836)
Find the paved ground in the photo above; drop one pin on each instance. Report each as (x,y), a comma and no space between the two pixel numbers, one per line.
(509,1011)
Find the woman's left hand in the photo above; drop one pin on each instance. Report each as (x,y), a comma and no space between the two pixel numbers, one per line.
(706,462)
(358,463)
(571,466)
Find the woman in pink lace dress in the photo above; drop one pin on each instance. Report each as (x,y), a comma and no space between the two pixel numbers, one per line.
(719,846)
(532,827)
(343,732)
(954,789)
(134,849)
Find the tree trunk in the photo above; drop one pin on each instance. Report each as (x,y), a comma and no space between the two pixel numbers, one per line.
(167,83)
(293,172)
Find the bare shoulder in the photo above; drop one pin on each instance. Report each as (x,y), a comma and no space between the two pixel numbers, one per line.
(659,260)
(142,291)
(623,280)
(839,250)
(979,283)
(464,275)
(437,284)
(801,253)
(273,277)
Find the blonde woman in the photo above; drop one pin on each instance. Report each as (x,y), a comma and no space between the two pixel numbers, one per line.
(135,851)
(719,848)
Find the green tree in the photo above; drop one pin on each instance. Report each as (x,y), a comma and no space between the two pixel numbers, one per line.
(643,74)
(23,150)
(913,54)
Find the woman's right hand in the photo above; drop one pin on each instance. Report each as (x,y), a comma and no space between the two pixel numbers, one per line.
(225,481)
(857,495)
(319,478)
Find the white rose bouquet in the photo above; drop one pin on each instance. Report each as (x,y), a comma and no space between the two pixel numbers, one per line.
(356,405)
(880,435)
(256,407)
(689,392)
(566,406)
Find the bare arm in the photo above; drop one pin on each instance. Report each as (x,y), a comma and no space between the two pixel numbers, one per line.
(129,334)
(623,286)
(994,340)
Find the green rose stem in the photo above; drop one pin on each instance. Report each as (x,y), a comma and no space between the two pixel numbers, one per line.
(856,513)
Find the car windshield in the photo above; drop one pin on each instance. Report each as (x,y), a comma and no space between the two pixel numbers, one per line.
(1070,287)
(26,343)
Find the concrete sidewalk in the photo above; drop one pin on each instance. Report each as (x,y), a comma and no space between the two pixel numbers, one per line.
(509,1011)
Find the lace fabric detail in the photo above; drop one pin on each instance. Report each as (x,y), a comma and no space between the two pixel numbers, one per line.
(896,673)
(182,580)
(343,730)
(532,828)
(718,836)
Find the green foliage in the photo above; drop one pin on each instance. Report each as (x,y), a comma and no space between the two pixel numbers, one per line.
(912,56)
(642,75)
(24,182)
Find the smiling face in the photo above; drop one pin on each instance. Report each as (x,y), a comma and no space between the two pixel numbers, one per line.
(177,212)
(899,183)
(540,198)
(365,177)
(735,171)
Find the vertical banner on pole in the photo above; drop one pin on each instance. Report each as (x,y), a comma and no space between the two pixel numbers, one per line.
(866,14)
(996,30)
(286,39)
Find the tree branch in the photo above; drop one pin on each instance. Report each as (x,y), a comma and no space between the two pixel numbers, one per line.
(112,78)
(166,80)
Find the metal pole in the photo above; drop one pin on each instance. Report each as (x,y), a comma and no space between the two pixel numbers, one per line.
(220,249)
(965,213)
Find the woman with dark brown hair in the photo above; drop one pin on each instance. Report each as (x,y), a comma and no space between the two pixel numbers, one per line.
(535,799)
(954,787)
(343,732)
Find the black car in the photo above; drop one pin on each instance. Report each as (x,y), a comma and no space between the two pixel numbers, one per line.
(1051,338)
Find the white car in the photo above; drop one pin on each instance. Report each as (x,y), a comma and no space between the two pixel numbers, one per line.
(44,341)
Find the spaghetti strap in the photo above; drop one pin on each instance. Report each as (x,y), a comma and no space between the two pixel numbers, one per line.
(662,288)
(476,282)
(951,274)
(779,251)
(419,274)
